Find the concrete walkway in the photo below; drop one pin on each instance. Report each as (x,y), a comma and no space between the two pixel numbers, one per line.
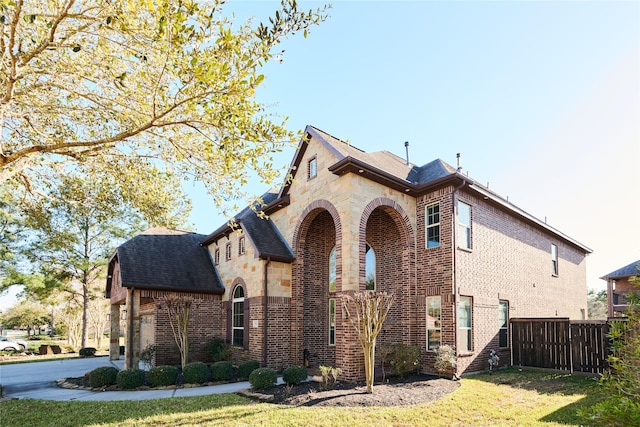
(38,381)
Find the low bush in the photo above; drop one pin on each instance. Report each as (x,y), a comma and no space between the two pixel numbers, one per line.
(195,373)
(294,375)
(218,350)
(222,371)
(163,375)
(245,369)
(103,376)
(406,358)
(87,352)
(262,378)
(130,378)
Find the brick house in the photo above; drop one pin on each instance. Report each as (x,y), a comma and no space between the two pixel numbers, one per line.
(619,286)
(460,259)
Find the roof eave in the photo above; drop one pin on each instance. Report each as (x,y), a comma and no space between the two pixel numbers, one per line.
(218,291)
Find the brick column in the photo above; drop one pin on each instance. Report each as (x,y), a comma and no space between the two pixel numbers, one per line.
(132,336)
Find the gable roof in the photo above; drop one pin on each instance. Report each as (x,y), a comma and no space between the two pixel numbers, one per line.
(624,272)
(169,260)
(262,232)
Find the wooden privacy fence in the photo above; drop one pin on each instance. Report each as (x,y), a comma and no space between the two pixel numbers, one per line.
(561,344)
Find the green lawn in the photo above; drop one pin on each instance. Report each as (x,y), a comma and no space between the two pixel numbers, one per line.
(507,398)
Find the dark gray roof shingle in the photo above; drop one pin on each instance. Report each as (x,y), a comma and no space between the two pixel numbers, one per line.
(626,271)
(168,260)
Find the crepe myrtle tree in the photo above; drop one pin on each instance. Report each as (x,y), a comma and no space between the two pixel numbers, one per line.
(110,84)
(367,311)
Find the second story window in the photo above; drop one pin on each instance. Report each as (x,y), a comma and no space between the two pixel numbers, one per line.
(554,260)
(432,215)
(464,225)
(216,256)
(312,168)
(228,252)
(241,248)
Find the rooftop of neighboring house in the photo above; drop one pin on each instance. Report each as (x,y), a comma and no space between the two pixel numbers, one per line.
(632,269)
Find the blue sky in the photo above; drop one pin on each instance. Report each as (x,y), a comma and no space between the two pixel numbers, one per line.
(541,98)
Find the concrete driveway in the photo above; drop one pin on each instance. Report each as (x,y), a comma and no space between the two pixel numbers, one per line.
(38,381)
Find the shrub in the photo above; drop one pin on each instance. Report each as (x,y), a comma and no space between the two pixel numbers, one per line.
(263,378)
(130,378)
(195,373)
(87,352)
(329,376)
(103,376)
(163,375)
(446,361)
(406,358)
(222,371)
(147,355)
(245,369)
(218,350)
(294,375)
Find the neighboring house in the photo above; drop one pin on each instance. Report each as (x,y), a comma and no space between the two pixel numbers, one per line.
(619,286)
(460,259)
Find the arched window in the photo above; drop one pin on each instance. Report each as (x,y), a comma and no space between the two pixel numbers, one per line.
(370,268)
(237,317)
(332,270)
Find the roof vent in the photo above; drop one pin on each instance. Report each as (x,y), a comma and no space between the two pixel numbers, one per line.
(406,147)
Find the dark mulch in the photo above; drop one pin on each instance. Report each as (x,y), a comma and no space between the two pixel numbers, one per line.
(414,389)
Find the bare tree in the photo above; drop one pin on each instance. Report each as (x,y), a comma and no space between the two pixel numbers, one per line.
(366,311)
(179,308)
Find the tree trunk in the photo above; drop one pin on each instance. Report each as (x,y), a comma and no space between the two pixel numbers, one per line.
(85,314)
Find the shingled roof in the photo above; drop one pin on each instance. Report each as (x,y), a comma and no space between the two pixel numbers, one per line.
(262,232)
(168,260)
(626,271)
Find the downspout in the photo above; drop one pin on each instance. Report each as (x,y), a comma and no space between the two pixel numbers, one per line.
(130,335)
(265,337)
(455,267)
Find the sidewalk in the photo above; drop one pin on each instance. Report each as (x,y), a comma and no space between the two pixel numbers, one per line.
(38,381)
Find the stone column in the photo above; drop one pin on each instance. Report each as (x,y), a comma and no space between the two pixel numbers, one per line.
(132,341)
(114,333)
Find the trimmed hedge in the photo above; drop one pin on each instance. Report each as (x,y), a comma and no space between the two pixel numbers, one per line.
(222,371)
(263,378)
(245,369)
(103,376)
(87,352)
(294,375)
(163,375)
(130,378)
(195,373)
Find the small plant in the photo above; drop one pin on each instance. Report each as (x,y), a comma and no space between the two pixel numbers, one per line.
(218,350)
(222,371)
(446,361)
(148,355)
(245,369)
(262,378)
(87,352)
(406,358)
(294,375)
(163,375)
(103,376)
(130,379)
(329,376)
(195,373)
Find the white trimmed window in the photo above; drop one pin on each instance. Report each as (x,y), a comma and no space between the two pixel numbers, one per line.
(332,321)
(241,247)
(554,260)
(465,344)
(228,252)
(238,317)
(216,256)
(434,323)
(464,225)
(432,215)
(503,320)
(312,169)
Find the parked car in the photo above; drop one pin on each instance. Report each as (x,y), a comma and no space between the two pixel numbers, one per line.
(12,345)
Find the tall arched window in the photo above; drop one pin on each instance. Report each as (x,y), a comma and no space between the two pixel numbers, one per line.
(237,317)
(332,270)
(370,268)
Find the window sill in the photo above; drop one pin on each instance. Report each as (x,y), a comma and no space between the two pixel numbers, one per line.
(465,249)
(466,354)
(555,275)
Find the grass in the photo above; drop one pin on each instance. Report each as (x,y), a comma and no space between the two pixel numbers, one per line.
(507,398)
